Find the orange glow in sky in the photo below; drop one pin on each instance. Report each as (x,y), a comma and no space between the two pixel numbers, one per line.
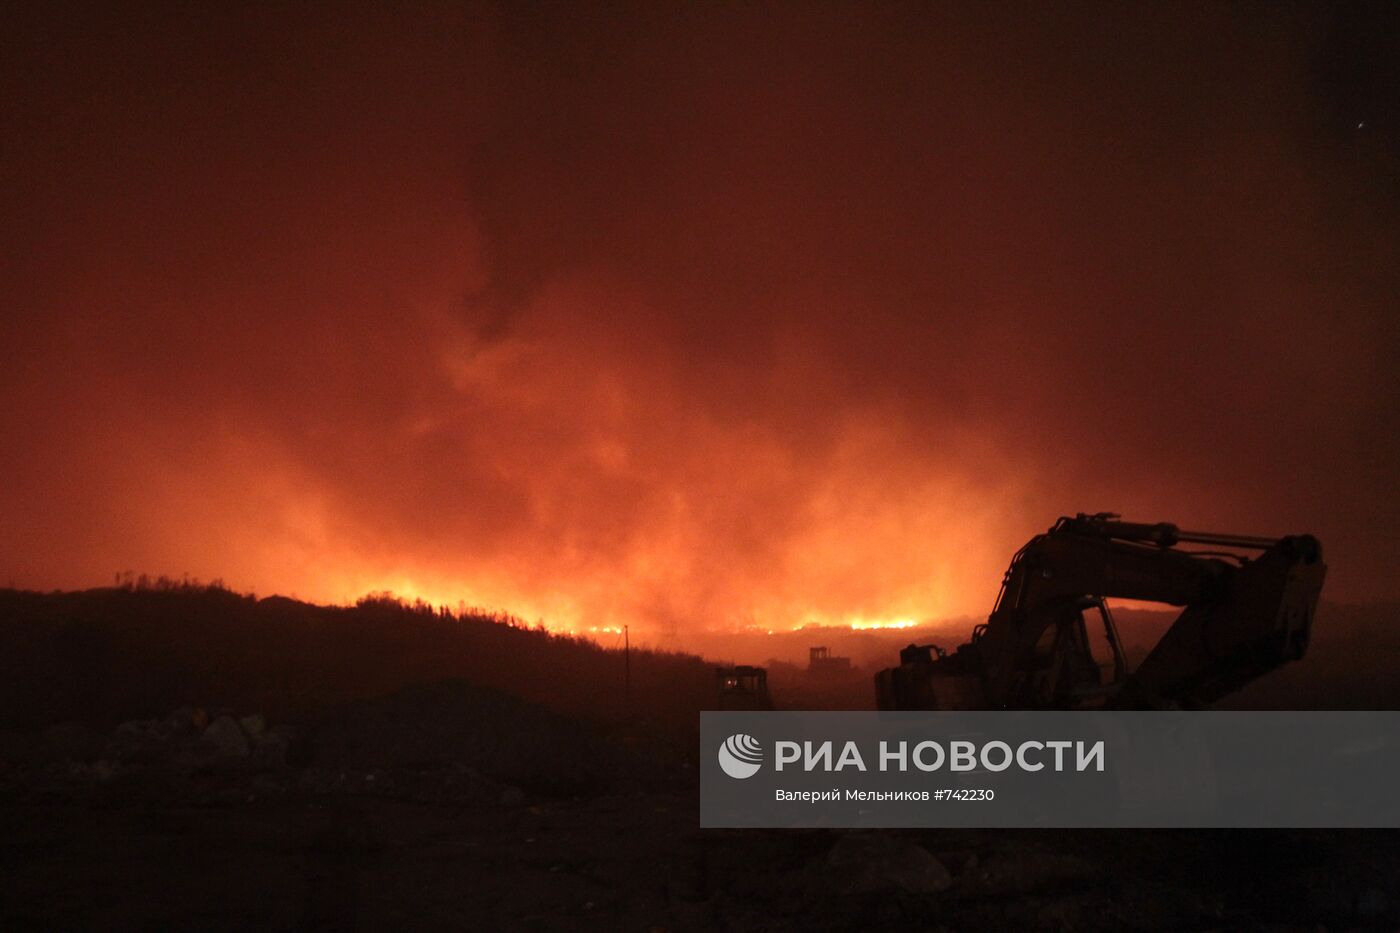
(690,321)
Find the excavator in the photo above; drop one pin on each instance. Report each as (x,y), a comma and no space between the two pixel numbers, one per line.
(1248,605)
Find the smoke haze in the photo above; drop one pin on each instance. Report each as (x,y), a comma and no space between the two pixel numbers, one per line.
(689,318)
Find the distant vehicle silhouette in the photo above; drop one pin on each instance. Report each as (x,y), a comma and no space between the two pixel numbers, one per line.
(822,663)
(743,687)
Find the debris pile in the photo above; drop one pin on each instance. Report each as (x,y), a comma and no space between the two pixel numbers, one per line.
(187,749)
(447,742)
(189,740)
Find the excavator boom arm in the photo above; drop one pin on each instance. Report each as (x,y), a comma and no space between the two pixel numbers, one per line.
(1260,619)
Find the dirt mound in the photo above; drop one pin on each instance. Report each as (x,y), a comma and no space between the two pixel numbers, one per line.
(456,724)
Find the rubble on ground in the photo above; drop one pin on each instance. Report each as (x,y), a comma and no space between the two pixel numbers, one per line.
(438,743)
(180,753)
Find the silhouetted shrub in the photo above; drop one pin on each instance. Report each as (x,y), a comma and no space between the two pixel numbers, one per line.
(140,650)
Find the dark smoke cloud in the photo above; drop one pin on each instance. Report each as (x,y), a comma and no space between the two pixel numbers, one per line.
(686,317)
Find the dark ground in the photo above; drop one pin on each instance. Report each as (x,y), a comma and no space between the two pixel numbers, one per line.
(637,862)
(450,807)
(449,804)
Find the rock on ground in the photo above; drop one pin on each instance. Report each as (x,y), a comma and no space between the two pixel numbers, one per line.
(224,740)
(869,863)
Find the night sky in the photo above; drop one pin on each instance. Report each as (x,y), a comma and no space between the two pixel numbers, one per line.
(690,316)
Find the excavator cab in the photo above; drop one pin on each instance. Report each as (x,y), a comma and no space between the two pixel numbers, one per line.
(1077,660)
